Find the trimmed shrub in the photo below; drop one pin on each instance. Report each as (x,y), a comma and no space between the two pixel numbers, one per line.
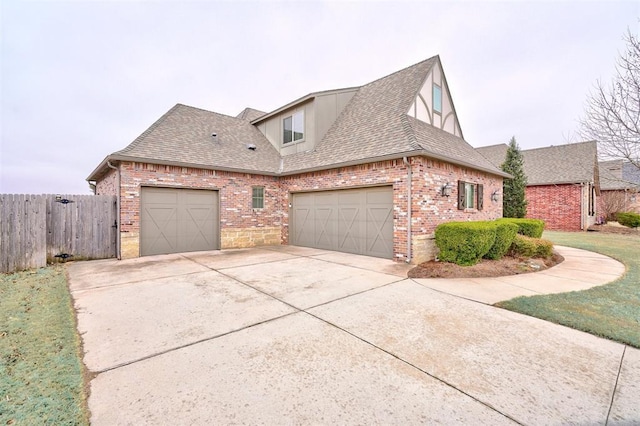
(464,243)
(629,219)
(528,227)
(505,234)
(524,246)
(544,248)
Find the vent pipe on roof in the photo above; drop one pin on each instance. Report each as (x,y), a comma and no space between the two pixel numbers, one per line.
(251,146)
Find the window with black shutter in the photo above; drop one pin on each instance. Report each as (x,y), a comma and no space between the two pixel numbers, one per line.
(470,196)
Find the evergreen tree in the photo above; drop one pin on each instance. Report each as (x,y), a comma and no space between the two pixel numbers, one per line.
(514,203)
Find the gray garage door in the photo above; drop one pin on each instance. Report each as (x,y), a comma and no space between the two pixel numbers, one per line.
(354,221)
(178,220)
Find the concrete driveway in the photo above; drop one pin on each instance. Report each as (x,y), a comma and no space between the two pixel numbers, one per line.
(303,336)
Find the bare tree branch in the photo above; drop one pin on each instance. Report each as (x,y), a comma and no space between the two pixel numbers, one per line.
(612,114)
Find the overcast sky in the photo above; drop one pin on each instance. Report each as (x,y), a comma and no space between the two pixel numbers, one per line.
(82,79)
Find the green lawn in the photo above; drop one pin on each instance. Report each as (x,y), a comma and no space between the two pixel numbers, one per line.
(612,310)
(41,373)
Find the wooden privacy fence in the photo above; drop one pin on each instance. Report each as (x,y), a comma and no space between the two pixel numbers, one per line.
(36,229)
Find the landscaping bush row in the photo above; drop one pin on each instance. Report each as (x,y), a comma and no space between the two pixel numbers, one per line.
(465,243)
(524,246)
(529,227)
(629,219)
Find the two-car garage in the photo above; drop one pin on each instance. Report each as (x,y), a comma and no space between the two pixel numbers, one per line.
(359,221)
(356,221)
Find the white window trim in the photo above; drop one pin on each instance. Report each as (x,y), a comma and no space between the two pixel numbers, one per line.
(291,116)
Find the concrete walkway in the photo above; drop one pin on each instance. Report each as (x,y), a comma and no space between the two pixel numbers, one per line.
(303,336)
(580,270)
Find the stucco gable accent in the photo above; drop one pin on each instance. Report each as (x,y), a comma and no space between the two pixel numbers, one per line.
(422,106)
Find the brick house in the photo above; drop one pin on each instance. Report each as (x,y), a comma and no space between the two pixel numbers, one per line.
(369,170)
(619,187)
(562,183)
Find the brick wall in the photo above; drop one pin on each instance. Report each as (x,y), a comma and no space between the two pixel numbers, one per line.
(558,205)
(242,226)
(429,207)
(108,185)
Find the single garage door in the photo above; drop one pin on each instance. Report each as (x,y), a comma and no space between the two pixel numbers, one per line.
(178,220)
(353,220)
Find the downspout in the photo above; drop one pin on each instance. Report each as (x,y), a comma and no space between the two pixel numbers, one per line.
(409,176)
(118,254)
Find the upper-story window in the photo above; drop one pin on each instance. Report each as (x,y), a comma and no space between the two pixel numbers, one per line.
(437,98)
(293,126)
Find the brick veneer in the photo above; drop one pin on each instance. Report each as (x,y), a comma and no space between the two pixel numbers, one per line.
(558,205)
(242,226)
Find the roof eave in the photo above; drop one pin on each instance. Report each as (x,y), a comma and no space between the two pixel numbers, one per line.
(99,170)
(571,182)
(396,156)
(119,157)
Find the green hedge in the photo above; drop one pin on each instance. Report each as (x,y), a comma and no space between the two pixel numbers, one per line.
(524,246)
(528,227)
(464,243)
(629,219)
(505,234)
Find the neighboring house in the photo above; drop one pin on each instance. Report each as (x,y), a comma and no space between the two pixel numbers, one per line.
(562,183)
(619,187)
(369,170)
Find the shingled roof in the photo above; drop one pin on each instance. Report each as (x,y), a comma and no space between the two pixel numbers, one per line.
(184,136)
(373,126)
(553,165)
(250,114)
(618,175)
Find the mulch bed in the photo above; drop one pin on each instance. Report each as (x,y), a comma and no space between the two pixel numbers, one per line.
(485,268)
(611,229)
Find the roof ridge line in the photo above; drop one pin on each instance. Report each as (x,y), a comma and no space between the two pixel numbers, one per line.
(399,71)
(561,145)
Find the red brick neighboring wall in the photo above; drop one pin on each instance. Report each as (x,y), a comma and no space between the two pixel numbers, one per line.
(558,205)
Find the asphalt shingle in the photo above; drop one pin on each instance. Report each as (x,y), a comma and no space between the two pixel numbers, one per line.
(184,135)
(373,125)
(570,163)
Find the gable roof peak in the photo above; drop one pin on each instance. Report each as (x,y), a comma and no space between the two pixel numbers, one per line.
(429,61)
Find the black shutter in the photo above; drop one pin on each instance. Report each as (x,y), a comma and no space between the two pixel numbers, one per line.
(461,196)
(480,198)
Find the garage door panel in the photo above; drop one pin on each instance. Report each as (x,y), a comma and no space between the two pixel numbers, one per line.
(325,225)
(379,225)
(303,226)
(178,220)
(382,196)
(349,228)
(353,221)
(199,228)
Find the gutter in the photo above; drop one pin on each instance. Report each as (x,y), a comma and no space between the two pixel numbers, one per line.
(397,156)
(409,184)
(118,248)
